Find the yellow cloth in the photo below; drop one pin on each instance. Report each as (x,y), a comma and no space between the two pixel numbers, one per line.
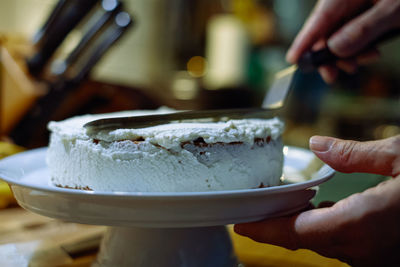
(6,197)
(253,254)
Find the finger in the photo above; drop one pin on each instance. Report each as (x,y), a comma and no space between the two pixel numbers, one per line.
(357,34)
(320,44)
(348,66)
(322,21)
(368,57)
(299,231)
(379,157)
(328,73)
(277,231)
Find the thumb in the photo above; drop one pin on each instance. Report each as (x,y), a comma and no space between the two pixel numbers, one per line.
(379,157)
(363,30)
(311,229)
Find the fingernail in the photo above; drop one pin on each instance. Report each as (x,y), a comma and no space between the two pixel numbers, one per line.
(321,143)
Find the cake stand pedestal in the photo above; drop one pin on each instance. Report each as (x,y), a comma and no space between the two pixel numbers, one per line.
(155,247)
(183,229)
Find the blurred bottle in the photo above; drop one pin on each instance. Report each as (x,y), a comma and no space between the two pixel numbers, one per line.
(227,52)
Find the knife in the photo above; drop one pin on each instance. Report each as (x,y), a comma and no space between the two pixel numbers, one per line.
(133,122)
(65,17)
(284,79)
(273,101)
(42,33)
(121,22)
(34,122)
(101,17)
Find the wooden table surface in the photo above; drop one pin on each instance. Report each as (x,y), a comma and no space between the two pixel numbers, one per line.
(27,238)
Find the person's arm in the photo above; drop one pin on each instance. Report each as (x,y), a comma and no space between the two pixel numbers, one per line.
(363,229)
(347,28)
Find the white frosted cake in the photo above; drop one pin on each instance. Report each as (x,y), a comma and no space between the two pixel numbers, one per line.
(175,157)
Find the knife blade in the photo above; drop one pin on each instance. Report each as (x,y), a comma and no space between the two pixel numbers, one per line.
(273,101)
(284,79)
(133,122)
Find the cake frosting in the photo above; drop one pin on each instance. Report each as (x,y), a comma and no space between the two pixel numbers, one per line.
(175,157)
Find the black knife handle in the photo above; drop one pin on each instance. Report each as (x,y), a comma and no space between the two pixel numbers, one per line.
(33,124)
(311,60)
(93,30)
(42,33)
(94,26)
(70,16)
(121,22)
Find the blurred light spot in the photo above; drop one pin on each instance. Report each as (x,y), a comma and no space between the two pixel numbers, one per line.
(109,4)
(197,66)
(70,43)
(122,19)
(58,67)
(227,50)
(184,87)
(285,150)
(386,131)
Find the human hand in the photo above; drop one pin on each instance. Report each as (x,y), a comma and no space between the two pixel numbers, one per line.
(363,229)
(335,23)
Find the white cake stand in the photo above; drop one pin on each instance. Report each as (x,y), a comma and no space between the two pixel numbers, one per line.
(162,229)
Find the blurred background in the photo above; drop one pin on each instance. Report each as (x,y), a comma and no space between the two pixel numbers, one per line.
(198,54)
(61,58)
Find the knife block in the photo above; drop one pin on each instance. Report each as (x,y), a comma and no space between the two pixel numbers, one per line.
(18,90)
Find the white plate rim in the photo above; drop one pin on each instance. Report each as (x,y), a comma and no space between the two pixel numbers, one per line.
(328,173)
